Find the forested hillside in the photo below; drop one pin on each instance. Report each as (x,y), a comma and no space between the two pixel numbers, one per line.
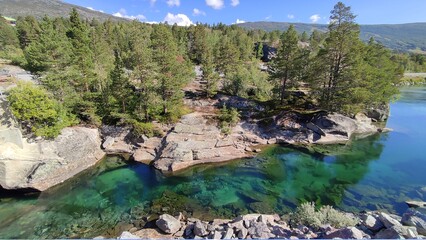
(132,73)
(402,37)
(51,8)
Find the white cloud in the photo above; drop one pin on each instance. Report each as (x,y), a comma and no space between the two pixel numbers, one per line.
(290,16)
(90,8)
(180,19)
(239,21)
(235,3)
(216,4)
(123,14)
(268,17)
(198,12)
(315,18)
(172,3)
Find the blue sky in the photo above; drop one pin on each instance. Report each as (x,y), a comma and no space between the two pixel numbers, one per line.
(185,12)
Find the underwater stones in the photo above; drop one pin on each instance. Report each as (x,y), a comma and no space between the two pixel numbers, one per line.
(415,218)
(168,224)
(415,204)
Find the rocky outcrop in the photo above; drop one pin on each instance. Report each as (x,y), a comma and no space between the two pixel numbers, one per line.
(117,140)
(43,164)
(321,128)
(380,113)
(192,141)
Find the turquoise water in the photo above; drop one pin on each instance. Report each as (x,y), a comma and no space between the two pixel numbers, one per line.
(379,172)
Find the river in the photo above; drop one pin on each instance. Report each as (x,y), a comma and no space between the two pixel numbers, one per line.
(378,172)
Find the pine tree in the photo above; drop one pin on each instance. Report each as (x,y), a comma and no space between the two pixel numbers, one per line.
(284,68)
(120,86)
(174,71)
(339,60)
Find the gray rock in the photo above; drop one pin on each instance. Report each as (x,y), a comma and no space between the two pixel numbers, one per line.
(128,235)
(415,204)
(389,233)
(388,221)
(346,233)
(168,224)
(200,229)
(242,233)
(229,233)
(379,114)
(415,218)
(218,234)
(44,164)
(109,141)
(372,223)
(259,230)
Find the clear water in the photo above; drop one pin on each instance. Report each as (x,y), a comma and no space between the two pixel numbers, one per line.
(379,172)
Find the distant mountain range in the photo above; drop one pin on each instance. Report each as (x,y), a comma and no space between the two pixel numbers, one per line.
(402,37)
(53,8)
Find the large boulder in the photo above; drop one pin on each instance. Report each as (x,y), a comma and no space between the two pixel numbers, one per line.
(168,224)
(380,113)
(412,217)
(193,141)
(41,165)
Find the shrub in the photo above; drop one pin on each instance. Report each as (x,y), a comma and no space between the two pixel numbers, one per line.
(147,129)
(306,214)
(228,118)
(35,108)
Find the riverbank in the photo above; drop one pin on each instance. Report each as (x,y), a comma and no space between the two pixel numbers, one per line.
(305,223)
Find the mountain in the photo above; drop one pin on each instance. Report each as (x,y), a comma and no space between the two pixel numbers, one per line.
(401,37)
(52,8)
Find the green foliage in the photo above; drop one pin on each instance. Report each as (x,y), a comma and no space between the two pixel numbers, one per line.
(307,215)
(36,109)
(144,129)
(228,118)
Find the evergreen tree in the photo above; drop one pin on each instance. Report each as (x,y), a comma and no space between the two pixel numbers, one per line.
(339,60)
(28,30)
(174,71)
(120,86)
(284,67)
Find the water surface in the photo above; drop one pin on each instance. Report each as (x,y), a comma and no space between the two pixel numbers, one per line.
(379,172)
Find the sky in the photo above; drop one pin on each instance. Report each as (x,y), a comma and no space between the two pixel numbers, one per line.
(186,12)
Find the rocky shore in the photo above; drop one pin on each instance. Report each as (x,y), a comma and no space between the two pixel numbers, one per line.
(377,225)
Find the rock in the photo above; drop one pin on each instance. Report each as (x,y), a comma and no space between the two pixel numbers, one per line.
(415,204)
(218,234)
(248,149)
(259,230)
(151,233)
(242,233)
(200,229)
(372,223)
(128,235)
(228,234)
(389,233)
(168,224)
(281,231)
(346,233)
(379,114)
(257,150)
(109,141)
(315,128)
(193,141)
(47,163)
(144,155)
(415,218)
(388,221)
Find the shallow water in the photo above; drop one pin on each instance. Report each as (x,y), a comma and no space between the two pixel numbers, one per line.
(379,172)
